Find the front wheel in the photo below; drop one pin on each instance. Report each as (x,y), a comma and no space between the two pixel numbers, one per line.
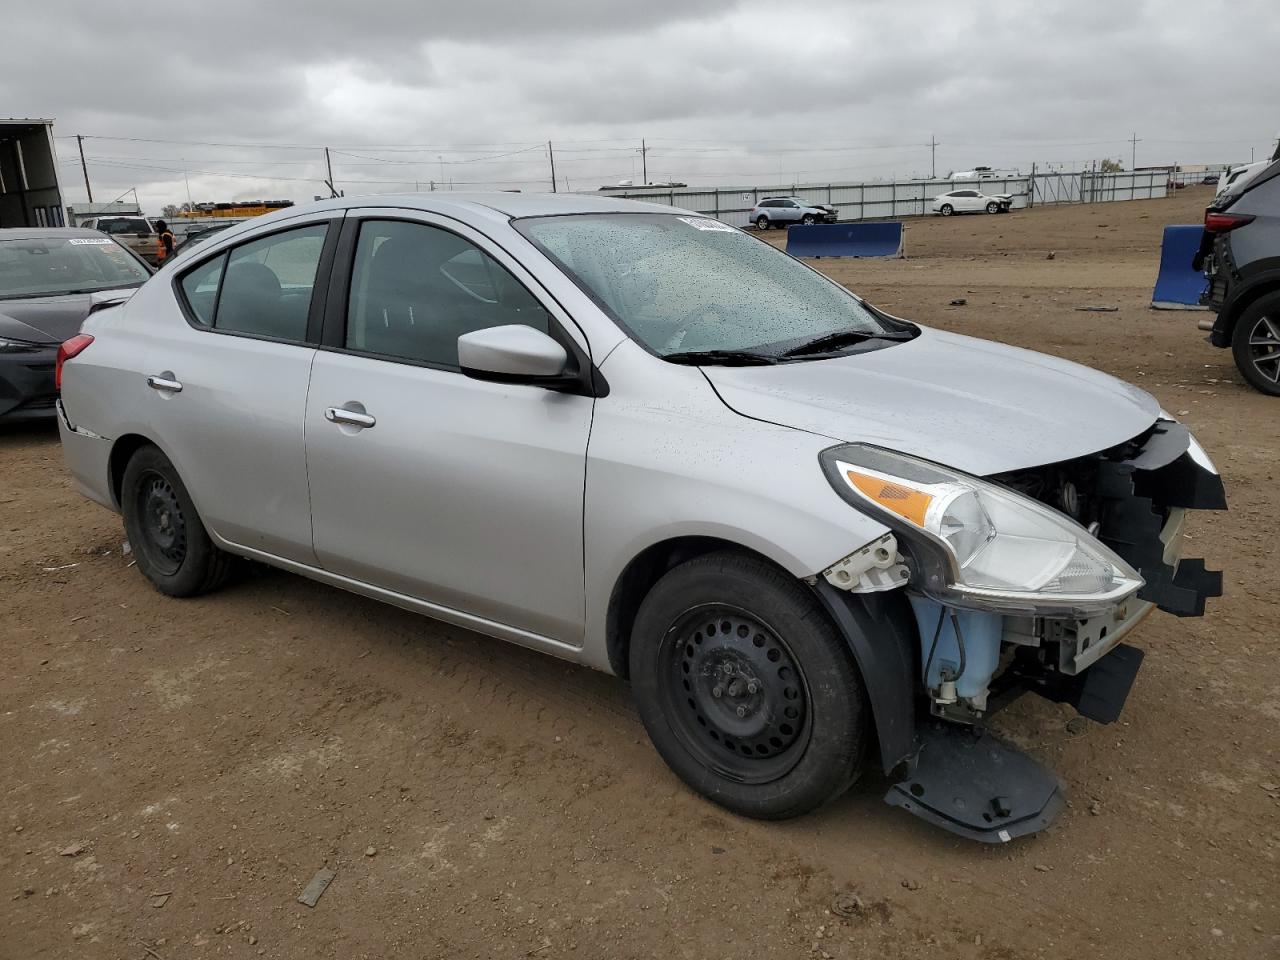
(170,543)
(993,207)
(946,210)
(808,219)
(762,222)
(746,688)
(1255,344)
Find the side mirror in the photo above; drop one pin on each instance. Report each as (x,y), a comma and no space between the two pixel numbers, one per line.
(512,354)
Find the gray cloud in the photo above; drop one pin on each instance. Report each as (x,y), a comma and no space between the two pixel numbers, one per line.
(745,91)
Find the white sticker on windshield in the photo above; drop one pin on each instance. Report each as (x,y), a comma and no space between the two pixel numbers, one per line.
(81,241)
(702,223)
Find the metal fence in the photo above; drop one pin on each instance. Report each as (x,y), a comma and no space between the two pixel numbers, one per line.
(879,200)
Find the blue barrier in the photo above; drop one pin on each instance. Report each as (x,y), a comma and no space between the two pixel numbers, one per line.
(877,239)
(1178,286)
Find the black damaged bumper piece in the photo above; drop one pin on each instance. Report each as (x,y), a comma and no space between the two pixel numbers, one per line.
(971,783)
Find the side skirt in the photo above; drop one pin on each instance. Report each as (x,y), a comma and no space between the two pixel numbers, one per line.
(459,618)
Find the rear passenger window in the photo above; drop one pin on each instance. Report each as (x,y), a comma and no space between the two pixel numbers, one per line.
(201,289)
(416,288)
(262,288)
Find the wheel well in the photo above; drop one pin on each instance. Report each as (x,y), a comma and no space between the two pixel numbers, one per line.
(1242,303)
(638,578)
(121,453)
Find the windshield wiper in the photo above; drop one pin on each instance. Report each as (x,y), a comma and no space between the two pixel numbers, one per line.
(728,358)
(842,338)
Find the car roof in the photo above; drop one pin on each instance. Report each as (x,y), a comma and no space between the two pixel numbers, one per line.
(494,207)
(45,233)
(509,204)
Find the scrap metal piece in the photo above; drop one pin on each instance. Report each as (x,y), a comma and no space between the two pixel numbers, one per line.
(316,888)
(977,786)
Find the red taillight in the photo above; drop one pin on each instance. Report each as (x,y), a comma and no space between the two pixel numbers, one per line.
(71,348)
(1225,222)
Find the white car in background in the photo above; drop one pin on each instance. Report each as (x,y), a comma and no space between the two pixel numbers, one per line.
(971,201)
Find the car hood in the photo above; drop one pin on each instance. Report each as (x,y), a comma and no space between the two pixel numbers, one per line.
(44,319)
(971,404)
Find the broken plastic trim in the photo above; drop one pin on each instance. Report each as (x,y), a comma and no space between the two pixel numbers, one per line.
(977,786)
(871,568)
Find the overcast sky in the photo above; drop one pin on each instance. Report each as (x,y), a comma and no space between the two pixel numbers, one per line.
(738,93)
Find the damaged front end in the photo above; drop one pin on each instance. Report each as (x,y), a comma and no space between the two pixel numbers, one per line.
(1028,581)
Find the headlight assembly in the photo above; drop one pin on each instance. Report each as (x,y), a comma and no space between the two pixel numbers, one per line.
(979,545)
(18,346)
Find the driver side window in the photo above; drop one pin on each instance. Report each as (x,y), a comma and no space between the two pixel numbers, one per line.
(416,288)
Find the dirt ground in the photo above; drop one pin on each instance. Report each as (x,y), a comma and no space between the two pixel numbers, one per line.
(174,772)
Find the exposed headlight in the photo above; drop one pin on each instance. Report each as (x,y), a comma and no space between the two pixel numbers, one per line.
(977,544)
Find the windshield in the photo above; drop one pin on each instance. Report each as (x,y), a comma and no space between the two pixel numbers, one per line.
(682,283)
(53,265)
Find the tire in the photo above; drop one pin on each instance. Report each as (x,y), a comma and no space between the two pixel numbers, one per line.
(946,210)
(762,222)
(169,541)
(1255,344)
(993,207)
(808,219)
(787,730)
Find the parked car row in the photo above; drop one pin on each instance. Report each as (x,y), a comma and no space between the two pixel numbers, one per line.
(814,536)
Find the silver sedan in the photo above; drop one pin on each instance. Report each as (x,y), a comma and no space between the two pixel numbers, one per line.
(811,534)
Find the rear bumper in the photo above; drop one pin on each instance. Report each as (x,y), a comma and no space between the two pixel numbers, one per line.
(26,384)
(88,458)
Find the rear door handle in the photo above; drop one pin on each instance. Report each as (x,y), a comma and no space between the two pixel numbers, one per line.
(351,417)
(164,383)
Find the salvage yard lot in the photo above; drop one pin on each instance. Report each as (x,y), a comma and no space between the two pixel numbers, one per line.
(174,772)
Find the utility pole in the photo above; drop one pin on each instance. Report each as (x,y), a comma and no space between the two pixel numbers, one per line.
(551,154)
(333,192)
(84,167)
(933,157)
(644,162)
(1133,160)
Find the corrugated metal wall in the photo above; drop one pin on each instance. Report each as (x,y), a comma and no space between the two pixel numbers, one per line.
(908,198)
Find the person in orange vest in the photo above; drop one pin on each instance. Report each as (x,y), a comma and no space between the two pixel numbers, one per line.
(164,243)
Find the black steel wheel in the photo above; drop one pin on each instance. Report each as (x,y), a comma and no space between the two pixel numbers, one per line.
(169,540)
(735,692)
(746,688)
(163,525)
(1255,343)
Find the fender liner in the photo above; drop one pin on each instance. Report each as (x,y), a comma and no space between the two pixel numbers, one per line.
(881,634)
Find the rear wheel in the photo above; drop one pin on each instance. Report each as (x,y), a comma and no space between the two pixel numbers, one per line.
(946,210)
(170,544)
(993,207)
(762,222)
(1255,343)
(746,688)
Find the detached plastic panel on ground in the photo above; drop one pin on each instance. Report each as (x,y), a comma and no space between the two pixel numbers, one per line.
(879,239)
(1178,286)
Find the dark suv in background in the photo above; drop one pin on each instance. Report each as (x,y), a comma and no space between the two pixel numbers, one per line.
(1240,254)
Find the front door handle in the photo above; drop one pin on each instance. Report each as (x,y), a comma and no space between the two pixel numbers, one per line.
(164,382)
(351,417)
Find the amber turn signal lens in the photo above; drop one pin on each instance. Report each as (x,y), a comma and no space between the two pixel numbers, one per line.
(907,503)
